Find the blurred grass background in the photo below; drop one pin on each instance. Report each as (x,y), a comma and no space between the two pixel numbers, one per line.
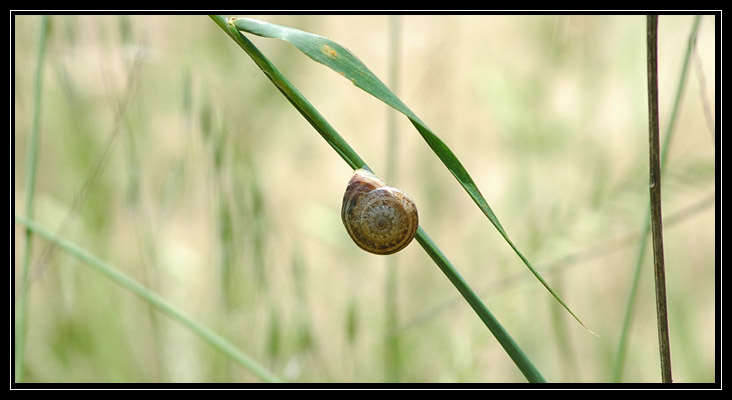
(167,153)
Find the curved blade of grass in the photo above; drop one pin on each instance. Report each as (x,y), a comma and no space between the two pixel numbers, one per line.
(317,121)
(339,59)
(354,160)
(153,298)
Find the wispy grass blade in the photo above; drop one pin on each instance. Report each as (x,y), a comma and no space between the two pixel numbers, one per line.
(341,60)
(355,161)
(22,310)
(153,298)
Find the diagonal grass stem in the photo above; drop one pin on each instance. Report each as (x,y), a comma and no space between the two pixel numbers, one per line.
(346,64)
(349,155)
(153,298)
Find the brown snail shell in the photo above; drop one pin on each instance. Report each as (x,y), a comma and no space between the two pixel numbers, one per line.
(379,218)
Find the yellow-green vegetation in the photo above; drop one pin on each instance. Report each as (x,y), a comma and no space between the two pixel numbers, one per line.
(165,153)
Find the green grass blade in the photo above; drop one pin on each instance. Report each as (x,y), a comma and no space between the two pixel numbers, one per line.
(295,97)
(355,161)
(342,61)
(153,298)
(22,310)
(518,356)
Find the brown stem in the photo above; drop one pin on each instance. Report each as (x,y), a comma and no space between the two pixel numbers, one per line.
(655,189)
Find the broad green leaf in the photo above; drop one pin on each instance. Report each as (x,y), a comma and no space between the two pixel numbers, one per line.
(339,59)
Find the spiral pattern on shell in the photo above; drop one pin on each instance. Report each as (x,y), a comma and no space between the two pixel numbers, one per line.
(380,219)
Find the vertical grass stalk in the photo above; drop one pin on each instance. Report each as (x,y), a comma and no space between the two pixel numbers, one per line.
(632,292)
(655,198)
(392,359)
(22,310)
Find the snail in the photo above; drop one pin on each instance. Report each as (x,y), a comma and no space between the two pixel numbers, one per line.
(379,218)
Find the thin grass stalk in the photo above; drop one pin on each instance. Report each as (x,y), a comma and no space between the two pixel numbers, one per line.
(120,118)
(655,195)
(632,292)
(145,235)
(392,359)
(146,242)
(355,161)
(22,311)
(153,298)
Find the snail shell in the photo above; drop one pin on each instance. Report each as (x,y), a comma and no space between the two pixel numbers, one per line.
(379,218)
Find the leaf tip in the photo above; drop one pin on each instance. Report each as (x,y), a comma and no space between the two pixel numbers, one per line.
(587,329)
